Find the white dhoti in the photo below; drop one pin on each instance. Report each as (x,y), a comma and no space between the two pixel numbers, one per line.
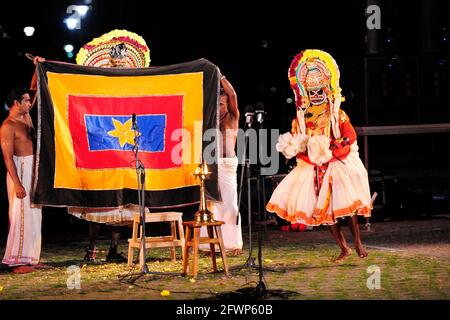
(227,210)
(24,237)
(121,216)
(344,192)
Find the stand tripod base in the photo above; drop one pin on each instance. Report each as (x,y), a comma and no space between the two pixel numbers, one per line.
(144,269)
(132,277)
(261,290)
(258,292)
(251,262)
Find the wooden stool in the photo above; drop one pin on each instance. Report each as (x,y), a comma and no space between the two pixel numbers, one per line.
(193,239)
(172,241)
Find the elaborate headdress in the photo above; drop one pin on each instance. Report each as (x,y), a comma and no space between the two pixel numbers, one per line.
(116,44)
(312,70)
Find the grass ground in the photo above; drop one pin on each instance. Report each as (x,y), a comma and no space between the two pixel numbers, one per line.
(303,258)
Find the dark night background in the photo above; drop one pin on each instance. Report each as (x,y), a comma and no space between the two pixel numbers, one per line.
(253,43)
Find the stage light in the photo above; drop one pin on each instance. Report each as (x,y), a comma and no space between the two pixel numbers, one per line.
(273,89)
(82,10)
(69,55)
(289,100)
(29,31)
(72,23)
(68,48)
(77,12)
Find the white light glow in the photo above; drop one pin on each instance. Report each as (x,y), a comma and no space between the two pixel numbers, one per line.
(68,48)
(72,23)
(29,31)
(82,10)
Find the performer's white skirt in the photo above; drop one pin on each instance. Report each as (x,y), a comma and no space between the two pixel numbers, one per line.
(344,192)
(121,216)
(24,237)
(227,210)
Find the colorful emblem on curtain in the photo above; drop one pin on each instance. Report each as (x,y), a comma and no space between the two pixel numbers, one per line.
(86,138)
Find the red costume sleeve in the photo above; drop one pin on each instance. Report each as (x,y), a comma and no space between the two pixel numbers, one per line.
(347,131)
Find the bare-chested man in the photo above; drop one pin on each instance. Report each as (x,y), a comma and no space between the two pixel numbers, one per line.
(227,210)
(229,119)
(17,135)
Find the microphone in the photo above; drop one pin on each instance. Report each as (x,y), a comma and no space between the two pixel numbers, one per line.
(133,121)
(135,128)
(249,115)
(259,111)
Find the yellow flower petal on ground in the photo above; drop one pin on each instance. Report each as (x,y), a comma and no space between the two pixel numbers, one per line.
(192,280)
(268,260)
(1,289)
(165,293)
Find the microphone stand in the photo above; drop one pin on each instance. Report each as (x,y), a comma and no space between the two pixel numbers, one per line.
(246,166)
(140,173)
(260,291)
(250,263)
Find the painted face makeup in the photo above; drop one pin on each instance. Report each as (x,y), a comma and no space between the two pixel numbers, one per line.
(317,97)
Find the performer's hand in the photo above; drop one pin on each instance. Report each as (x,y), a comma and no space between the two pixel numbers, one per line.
(337,153)
(339,143)
(340,148)
(20,191)
(38,59)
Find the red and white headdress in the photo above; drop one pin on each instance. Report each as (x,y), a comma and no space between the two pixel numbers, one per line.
(97,53)
(312,70)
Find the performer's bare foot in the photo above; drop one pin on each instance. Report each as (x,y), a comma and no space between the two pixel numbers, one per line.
(344,255)
(362,253)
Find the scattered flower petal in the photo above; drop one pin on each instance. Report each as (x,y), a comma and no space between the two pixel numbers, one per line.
(165,293)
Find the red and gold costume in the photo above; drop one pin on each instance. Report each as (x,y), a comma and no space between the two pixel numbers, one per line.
(329,181)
